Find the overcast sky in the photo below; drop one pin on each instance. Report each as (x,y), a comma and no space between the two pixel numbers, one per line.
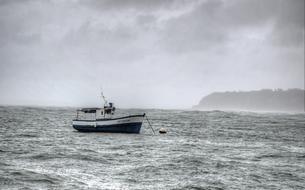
(156,53)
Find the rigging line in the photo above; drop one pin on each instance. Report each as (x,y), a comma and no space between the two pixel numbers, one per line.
(150,125)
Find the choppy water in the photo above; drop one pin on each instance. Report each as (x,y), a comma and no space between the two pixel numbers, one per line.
(202,150)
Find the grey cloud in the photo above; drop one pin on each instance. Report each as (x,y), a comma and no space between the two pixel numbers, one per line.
(100,44)
(146,20)
(88,34)
(287,18)
(9,2)
(289,26)
(116,5)
(241,13)
(197,30)
(21,22)
(211,23)
(139,48)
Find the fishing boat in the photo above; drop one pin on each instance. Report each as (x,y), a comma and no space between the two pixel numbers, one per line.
(103,120)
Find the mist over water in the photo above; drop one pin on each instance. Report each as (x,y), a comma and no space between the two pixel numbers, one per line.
(39,149)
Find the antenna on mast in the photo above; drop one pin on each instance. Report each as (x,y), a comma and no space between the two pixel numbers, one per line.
(104,98)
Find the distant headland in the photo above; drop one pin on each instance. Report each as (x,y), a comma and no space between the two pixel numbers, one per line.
(291,100)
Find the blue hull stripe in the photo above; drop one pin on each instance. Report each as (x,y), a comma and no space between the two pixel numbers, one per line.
(117,128)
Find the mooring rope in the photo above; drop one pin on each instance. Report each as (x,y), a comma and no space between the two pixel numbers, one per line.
(150,125)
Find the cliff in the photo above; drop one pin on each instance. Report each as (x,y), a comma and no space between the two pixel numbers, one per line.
(262,100)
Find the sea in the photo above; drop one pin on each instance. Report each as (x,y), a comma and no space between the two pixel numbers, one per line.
(39,149)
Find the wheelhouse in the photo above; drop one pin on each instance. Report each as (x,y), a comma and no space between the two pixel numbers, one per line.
(95,113)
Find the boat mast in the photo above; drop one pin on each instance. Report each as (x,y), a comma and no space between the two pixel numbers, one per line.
(105,102)
(104,98)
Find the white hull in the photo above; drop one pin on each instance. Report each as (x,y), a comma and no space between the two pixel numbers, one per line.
(108,122)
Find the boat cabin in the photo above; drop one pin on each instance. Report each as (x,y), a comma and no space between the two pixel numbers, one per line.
(95,113)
